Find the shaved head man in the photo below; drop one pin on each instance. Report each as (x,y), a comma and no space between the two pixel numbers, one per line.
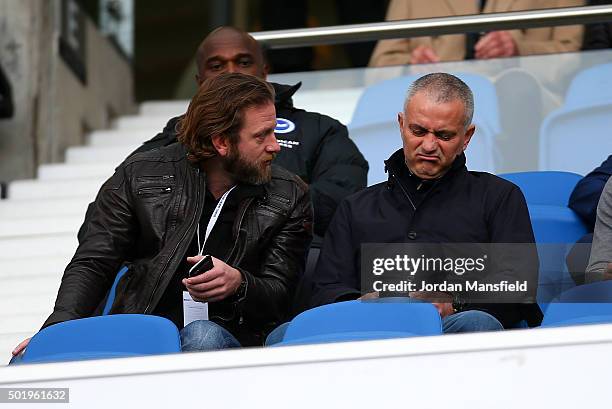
(228,49)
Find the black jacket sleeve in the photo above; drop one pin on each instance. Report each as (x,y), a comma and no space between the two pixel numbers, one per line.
(340,170)
(587,192)
(511,232)
(6,96)
(336,276)
(103,247)
(269,294)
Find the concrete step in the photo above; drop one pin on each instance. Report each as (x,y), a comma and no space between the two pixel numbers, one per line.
(63,171)
(120,137)
(8,341)
(167,109)
(152,123)
(38,303)
(22,323)
(99,154)
(39,267)
(30,285)
(53,245)
(45,189)
(13,209)
(40,225)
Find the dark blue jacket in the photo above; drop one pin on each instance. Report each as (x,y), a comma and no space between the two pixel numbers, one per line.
(586,194)
(461,207)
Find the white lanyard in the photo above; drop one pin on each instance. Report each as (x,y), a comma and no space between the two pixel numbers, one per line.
(212,221)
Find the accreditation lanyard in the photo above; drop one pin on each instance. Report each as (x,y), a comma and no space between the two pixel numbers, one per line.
(213,220)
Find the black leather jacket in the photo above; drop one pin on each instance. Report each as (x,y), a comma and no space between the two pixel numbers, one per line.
(147,213)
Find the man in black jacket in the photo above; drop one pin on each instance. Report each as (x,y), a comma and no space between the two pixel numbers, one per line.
(430,197)
(313,146)
(215,192)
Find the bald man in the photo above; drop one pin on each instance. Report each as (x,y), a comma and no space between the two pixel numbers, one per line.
(313,146)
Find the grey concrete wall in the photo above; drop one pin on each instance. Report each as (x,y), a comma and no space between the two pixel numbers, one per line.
(53,109)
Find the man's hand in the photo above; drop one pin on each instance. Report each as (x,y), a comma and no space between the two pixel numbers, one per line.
(215,284)
(369,296)
(495,44)
(423,55)
(22,345)
(442,301)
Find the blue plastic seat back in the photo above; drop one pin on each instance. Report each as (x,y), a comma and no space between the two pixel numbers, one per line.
(575,136)
(556,229)
(113,291)
(545,187)
(355,319)
(592,86)
(584,304)
(104,337)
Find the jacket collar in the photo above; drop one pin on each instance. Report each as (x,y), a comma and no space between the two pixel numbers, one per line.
(396,163)
(284,94)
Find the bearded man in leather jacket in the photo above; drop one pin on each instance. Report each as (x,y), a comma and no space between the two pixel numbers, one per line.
(214,192)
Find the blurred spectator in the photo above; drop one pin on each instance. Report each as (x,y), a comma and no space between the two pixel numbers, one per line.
(600,262)
(583,201)
(598,36)
(6,96)
(490,45)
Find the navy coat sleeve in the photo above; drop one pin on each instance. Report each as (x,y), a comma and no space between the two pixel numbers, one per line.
(587,192)
(336,276)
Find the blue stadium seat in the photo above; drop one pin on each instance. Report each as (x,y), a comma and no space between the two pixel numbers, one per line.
(110,336)
(584,304)
(364,320)
(573,137)
(544,188)
(556,229)
(111,294)
(375,130)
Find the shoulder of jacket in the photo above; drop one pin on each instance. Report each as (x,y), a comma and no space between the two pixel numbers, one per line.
(172,153)
(492,182)
(283,176)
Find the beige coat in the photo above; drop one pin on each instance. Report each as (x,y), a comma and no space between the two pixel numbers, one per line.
(452,47)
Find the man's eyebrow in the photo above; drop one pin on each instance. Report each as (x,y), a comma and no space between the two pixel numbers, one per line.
(434,131)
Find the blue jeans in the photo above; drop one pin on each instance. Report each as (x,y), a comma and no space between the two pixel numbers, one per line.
(206,336)
(470,321)
(277,334)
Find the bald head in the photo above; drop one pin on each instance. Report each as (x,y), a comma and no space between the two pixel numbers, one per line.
(228,49)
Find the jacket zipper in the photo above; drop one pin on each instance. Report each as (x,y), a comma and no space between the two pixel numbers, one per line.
(177,245)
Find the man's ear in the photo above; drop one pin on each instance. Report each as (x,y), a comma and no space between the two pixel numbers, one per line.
(468,136)
(400,119)
(221,145)
(265,70)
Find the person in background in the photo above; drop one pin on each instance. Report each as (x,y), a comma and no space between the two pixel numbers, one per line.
(495,44)
(583,201)
(600,261)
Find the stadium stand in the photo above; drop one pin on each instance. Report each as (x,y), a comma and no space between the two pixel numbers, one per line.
(584,304)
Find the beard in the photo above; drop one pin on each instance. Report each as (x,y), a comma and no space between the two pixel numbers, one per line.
(253,173)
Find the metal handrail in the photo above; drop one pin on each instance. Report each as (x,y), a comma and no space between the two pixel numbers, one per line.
(433,26)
